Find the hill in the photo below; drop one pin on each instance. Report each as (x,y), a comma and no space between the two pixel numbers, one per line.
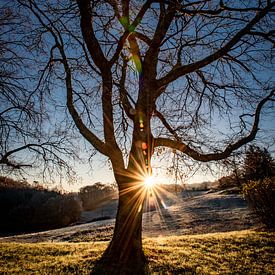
(196,232)
(194,212)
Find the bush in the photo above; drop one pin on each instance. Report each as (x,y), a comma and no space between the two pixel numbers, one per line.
(260,195)
(258,164)
(24,207)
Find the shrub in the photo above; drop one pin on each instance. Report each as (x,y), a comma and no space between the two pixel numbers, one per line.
(258,164)
(260,195)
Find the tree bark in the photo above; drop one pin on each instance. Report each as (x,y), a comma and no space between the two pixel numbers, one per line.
(124,254)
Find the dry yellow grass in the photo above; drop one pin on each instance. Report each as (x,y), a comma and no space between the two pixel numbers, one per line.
(242,252)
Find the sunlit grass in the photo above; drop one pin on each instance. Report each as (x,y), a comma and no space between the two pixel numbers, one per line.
(239,252)
(49,258)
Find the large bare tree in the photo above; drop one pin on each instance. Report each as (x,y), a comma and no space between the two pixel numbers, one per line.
(137,76)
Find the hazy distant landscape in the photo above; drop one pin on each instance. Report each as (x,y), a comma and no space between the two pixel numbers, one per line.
(189,212)
(193,222)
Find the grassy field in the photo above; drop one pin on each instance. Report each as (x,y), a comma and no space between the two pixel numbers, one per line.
(242,252)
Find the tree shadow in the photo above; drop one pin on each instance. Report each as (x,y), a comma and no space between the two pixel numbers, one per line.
(168,219)
(111,266)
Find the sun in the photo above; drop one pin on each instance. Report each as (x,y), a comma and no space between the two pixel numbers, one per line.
(149,182)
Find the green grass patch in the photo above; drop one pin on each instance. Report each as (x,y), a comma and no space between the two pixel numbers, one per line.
(239,252)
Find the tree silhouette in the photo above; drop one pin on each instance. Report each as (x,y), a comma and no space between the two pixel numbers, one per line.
(26,140)
(137,76)
(258,164)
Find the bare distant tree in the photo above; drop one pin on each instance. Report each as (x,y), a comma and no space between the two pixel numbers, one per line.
(143,75)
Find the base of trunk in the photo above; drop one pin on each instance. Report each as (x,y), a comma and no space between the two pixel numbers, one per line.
(124,254)
(132,263)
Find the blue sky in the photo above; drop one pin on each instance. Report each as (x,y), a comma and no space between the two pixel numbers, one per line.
(100,169)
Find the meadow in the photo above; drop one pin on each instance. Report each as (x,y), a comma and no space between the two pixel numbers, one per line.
(235,252)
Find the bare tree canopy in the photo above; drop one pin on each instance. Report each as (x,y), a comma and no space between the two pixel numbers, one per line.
(29,138)
(137,76)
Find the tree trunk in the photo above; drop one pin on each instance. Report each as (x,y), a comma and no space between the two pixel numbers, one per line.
(124,254)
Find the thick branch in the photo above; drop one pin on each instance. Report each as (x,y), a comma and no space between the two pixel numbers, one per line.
(89,36)
(143,37)
(103,64)
(129,28)
(122,91)
(5,158)
(183,70)
(92,138)
(166,124)
(222,8)
(119,48)
(186,149)
(151,57)
(267,36)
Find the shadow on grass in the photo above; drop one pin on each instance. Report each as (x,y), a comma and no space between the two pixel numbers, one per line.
(169,220)
(108,265)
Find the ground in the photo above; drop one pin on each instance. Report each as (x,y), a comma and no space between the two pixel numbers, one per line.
(185,213)
(195,233)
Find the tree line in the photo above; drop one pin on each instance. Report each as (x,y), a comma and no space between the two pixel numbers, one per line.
(256,180)
(26,207)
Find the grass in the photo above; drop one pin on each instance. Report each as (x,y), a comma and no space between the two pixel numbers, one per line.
(239,252)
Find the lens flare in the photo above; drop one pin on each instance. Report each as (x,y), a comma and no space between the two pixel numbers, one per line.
(149,182)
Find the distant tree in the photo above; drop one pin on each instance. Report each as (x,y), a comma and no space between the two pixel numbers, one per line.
(258,164)
(139,76)
(26,207)
(228,181)
(259,184)
(254,164)
(233,168)
(94,195)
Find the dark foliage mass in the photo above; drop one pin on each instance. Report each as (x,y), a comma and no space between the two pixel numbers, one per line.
(256,178)
(228,181)
(24,207)
(97,194)
(260,195)
(258,164)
